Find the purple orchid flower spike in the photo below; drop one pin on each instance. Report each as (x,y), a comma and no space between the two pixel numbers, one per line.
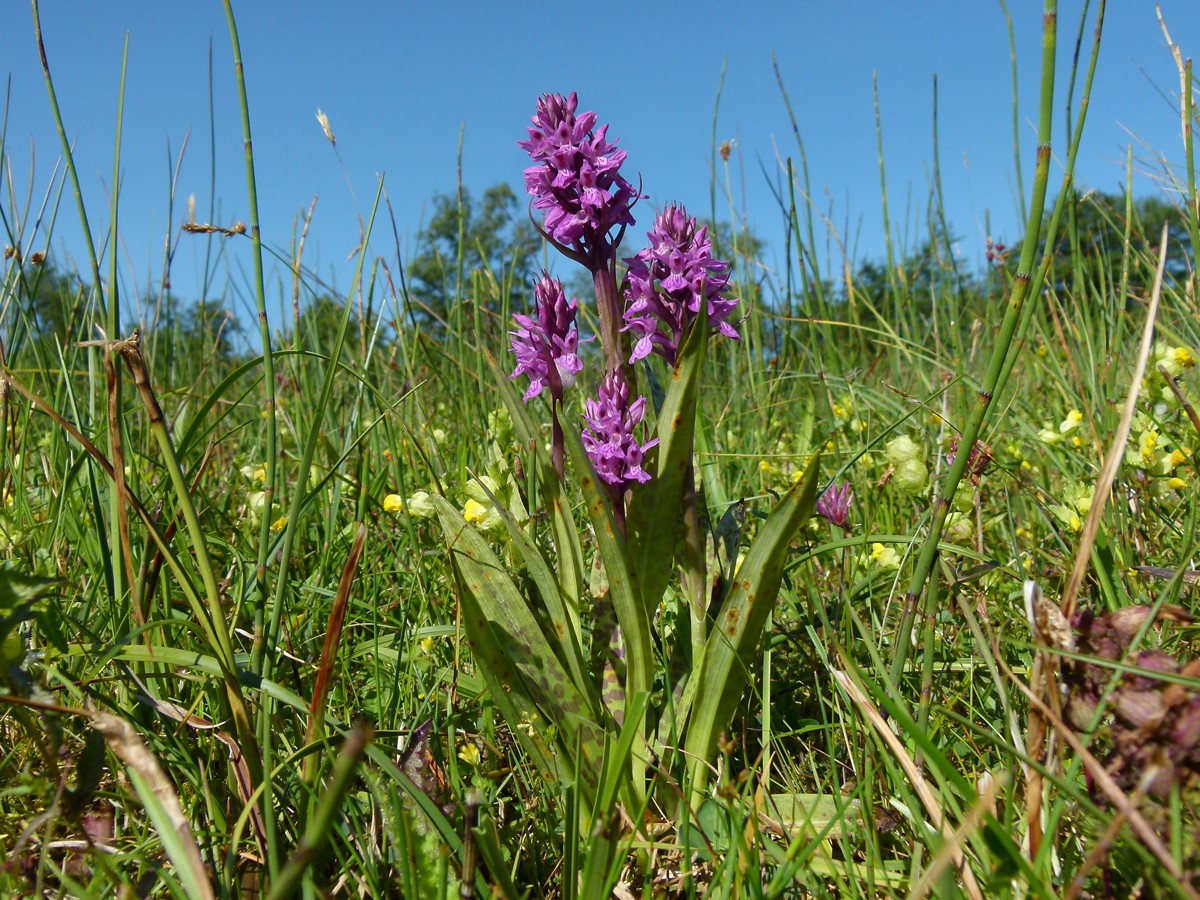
(547,346)
(608,435)
(576,181)
(667,283)
(834,504)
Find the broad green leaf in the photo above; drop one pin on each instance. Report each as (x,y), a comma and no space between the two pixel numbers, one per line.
(562,525)
(656,508)
(631,613)
(562,637)
(728,652)
(525,677)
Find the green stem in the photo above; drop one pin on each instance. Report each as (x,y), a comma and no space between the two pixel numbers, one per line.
(258,648)
(260,295)
(609,308)
(893,283)
(995,373)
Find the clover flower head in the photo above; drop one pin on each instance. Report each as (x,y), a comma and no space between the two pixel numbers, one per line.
(608,434)
(978,460)
(669,280)
(547,347)
(834,504)
(576,181)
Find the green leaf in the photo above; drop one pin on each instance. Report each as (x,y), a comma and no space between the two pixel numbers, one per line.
(656,508)
(735,634)
(623,589)
(562,525)
(562,637)
(518,664)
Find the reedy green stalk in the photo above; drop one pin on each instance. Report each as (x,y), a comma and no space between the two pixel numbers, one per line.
(1000,352)
(223,647)
(258,655)
(260,295)
(118,532)
(893,283)
(1188,103)
(1016,111)
(811,245)
(300,495)
(112,322)
(1117,337)
(1060,203)
(712,182)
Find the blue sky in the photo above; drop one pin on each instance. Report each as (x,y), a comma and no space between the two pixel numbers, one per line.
(399,80)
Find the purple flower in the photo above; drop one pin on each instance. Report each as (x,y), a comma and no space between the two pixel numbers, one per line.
(667,283)
(576,181)
(834,504)
(609,422)
(546,348)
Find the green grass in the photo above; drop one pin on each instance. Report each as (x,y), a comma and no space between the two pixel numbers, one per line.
(197,577)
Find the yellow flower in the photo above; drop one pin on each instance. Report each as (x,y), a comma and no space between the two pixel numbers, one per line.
(830,446)
(279,524)
(427,645)
(1173,459)
(1026,465)
(1050,436)
(1077,441)
(393,503)
(1144,456)
(475,512)
(1176,484)
(839,412)
(1022,533)
(884,556)
(1071,422)
(1069,516)
(469,753)
(1183,357)
(255,473)
(766,468)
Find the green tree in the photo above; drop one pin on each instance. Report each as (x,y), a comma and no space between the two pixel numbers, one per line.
(49,304)
(1090,241)
(498,244)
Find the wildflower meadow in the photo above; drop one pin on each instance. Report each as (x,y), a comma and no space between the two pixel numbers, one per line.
(596,557)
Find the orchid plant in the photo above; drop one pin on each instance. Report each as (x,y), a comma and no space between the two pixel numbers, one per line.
(656,696)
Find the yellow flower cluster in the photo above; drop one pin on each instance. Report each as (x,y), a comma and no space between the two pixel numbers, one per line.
(1078,504)
(1051,435)
(419,505)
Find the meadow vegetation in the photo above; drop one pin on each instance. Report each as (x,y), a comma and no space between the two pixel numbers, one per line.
(321,607)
